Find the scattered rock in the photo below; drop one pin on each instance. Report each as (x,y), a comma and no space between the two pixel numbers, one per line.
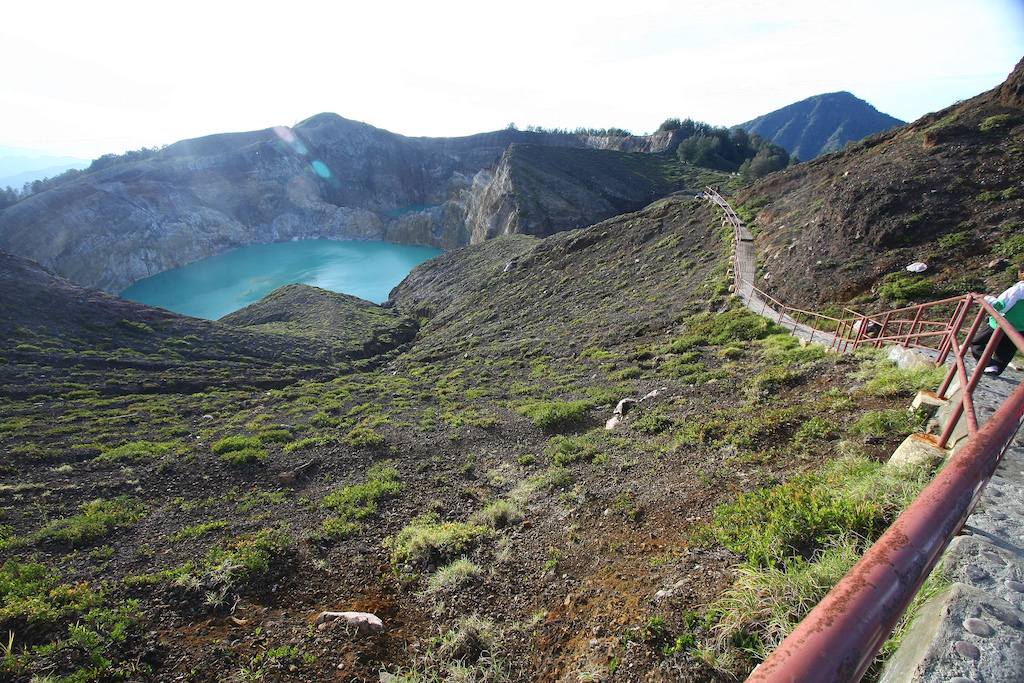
(968,650)
(654,394)
(364,622)
(290,477)
(871,328)
(909,359)
(978,627)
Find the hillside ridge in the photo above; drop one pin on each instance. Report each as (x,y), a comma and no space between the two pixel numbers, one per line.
(328,177)
(820,124)
(945,190)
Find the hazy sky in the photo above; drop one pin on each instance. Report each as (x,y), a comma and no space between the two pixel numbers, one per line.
(87,78)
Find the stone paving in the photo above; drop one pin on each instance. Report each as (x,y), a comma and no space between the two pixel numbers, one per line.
(972,631)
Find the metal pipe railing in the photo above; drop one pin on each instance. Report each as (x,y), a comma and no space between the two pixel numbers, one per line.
(839,639)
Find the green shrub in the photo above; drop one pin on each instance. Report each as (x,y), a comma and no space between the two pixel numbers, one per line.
(95,519)
(901,287)
(785,348)
(738,324)
(884,377)
(136,451)
(1012,248)
(234,443)
(281,436)
(135,328)
(363,437)
(556,414)
(253,553)
(748,210)
(654,422)
(15,424)
(309,442)
(625,373)
(197,530)
(564,450)
(994,122)
(772,378)
(426,539)
(765,604)
(338,527)
(886,424)
(553,478)
(817,428)
(35,593)
(452,576)
(499,513)
(955,241)
(240,450)
(80,394)
(359,501)
(797,518)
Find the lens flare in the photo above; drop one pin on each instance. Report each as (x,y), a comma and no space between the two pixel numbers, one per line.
(288,137)
(320,168)
(285,134)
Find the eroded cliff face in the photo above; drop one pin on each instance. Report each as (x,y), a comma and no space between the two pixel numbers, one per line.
(328,178)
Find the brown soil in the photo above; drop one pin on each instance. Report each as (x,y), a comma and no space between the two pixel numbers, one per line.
(571,591)
(607,572)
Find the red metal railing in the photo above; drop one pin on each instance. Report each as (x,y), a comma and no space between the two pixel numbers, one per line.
(840,637)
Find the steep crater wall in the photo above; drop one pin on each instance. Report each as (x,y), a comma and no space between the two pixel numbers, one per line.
(328,178)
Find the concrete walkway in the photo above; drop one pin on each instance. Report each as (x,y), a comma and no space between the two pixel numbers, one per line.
(745,272)
(971,631)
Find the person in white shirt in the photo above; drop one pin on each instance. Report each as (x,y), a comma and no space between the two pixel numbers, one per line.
(1009,306)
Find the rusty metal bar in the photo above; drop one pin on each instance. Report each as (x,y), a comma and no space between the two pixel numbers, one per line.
(949,376)
(959,315)
(838,640)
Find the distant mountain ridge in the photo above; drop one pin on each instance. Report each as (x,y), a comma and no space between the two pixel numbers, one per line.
(17,180)
(19,166)
(820,124)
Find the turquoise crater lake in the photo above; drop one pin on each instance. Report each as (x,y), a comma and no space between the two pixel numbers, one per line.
(222,284)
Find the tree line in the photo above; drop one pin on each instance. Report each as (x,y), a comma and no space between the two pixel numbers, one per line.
(9,196)
(702,144)
(733,151)
(579,131)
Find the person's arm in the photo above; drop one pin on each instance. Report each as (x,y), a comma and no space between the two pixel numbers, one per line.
(1005,301)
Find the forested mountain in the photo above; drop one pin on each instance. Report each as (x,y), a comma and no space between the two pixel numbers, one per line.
(820,124)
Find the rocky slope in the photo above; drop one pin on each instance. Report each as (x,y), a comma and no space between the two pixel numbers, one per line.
(326,178)
(820,124)
(62,337)
(180,499)
(946,190)
(191,477)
